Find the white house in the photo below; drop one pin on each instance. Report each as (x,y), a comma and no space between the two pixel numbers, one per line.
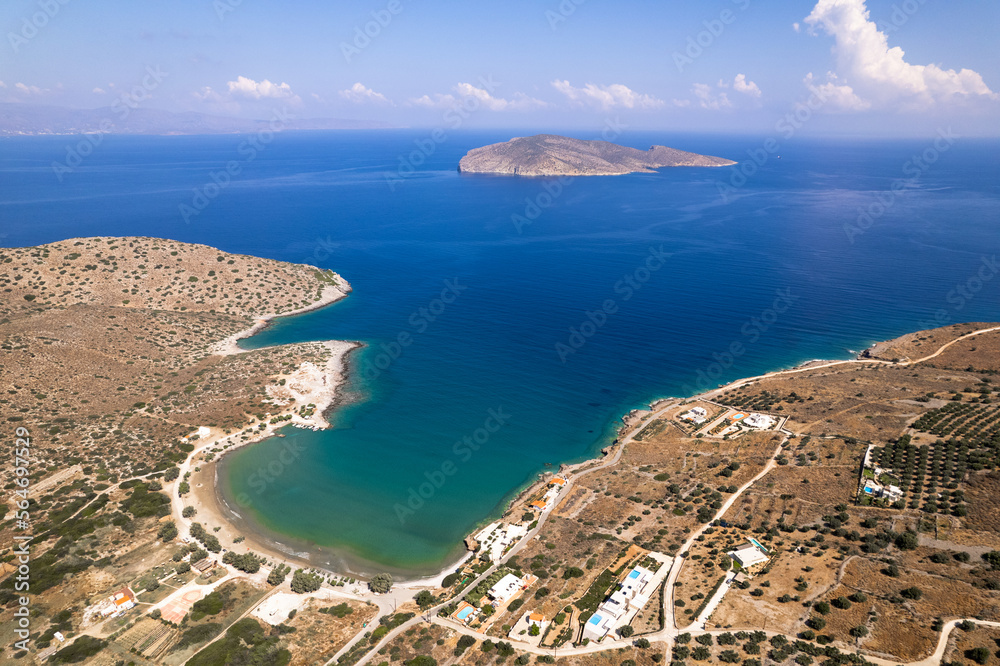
(505,588)
(748,555)
(598,626)
(759,421)
(696,414)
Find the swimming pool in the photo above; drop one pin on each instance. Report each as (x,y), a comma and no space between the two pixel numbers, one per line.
(464,613)
(634,574)
(758,544)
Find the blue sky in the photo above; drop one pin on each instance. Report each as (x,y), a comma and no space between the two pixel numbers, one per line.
(880,67)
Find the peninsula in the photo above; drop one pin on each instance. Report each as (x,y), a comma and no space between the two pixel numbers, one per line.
(553,155)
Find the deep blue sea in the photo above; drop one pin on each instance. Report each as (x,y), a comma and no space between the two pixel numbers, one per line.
(528,337)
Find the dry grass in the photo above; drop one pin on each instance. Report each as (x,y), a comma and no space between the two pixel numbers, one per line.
(979,637)
(318,636)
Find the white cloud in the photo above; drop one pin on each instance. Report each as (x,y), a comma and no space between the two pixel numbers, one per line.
(29,90)
(615,95)
(246,87)
(98,91)
(2,84)
(740,84)
(437,102)
(834,96)
(709,99)
(881,73)
(359,94)
(470,97)
(796,27)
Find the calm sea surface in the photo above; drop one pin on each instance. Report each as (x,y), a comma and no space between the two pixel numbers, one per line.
(526,338)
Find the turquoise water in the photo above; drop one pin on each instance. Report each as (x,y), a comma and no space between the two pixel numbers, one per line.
(521,345)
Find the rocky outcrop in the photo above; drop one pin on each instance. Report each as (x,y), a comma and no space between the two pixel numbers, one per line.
(552,155)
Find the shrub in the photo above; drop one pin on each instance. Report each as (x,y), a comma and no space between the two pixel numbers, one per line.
(980,655)
(167,531)
(908,541)
(914,593)
(303,582)
(79,650)
(381,583)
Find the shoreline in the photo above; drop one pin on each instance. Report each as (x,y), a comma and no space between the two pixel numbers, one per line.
(330,295)
(259,539)
(304,555)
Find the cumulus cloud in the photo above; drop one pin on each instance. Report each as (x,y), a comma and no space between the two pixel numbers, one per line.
(709,99)
(740,84)
(2,84)
(469,95)
(98,91)
(613,96)
(836,96)
(247,87)
(359,94)
(881,73)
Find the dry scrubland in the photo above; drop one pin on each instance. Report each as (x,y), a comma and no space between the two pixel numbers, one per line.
(108,361)
(127,367)
(856,577)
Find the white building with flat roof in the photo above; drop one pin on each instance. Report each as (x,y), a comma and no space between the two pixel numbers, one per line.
(748,555)
(695,414)
(505,588)
(760,421)
(598,626)
(631,596)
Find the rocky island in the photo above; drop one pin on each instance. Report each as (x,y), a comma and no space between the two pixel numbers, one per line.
(553,155)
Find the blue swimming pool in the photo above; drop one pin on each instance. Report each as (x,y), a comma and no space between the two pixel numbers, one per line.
(634,574)
(758,544)
(595,619)
(464,613)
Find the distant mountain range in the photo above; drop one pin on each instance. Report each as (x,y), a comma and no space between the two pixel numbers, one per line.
(33,119)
